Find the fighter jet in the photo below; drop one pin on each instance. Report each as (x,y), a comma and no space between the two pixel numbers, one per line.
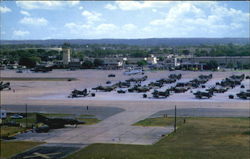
(139,89)
(161,94)
(55,123)
(180,89)
(244,95)
(121,91)
(175,76)
(166,80)
(111,75)
(239,77)
(77,93)
(200,94)
(4,86)
(208,77)
(123,84)
(105,88)
(156,84)
(144,78)
(217,89)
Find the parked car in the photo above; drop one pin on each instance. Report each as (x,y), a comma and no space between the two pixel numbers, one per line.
(16,116)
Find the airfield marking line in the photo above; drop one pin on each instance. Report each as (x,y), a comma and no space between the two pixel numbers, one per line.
(46,156)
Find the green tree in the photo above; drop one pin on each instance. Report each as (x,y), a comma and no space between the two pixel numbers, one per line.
(66,45)
(161,58)
(98,62)
(142,63)
(186,52)
(29,61)
(212,65)
(87,64)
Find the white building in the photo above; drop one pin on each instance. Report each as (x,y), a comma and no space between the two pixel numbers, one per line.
(152,60)
(66,56)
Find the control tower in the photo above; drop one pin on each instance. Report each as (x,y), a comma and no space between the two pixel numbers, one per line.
(66,56)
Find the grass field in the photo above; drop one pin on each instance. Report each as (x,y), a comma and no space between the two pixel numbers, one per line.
(36,79)
(11,148)
(160,122)
(198,138)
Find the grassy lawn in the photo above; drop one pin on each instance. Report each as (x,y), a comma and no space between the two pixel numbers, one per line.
(11,148)
(36,79)
(199,138)
(89,121)
(10,130)
(160,122)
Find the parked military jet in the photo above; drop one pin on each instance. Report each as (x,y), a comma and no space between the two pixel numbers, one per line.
(179,89)
(160,94)
(105,88)
(121,91)
(244,95)
(144,78)
(77,93)
(208,77)
(139,89)
(175,76)
(4,86)
(217,89)
(111,75)
(166,80)
(123,84)
(240,77)
(156,84)
(200,94)
(54,123)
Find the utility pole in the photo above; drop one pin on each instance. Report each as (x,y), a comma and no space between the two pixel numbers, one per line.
(26,112)
(175,119)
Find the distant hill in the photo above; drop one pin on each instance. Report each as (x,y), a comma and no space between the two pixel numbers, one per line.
(139,42)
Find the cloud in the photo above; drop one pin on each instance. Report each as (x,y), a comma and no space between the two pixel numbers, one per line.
(34,21)
(4,9)
(74,26)
(105,28)
(73,2)
(25,13)
(129,27)
(80,8)
(110,7)
(92,16)
(91,31)
(20,33)
(45,4)
(136,5)
(201,19)
(154,10)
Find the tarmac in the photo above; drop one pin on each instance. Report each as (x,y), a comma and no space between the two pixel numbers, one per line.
(116,127)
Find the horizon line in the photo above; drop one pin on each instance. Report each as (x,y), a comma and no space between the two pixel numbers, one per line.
(128,38)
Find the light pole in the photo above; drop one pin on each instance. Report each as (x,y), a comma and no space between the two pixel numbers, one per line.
(175,119)
(26,112)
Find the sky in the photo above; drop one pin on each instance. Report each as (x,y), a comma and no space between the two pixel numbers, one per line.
(23,20)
